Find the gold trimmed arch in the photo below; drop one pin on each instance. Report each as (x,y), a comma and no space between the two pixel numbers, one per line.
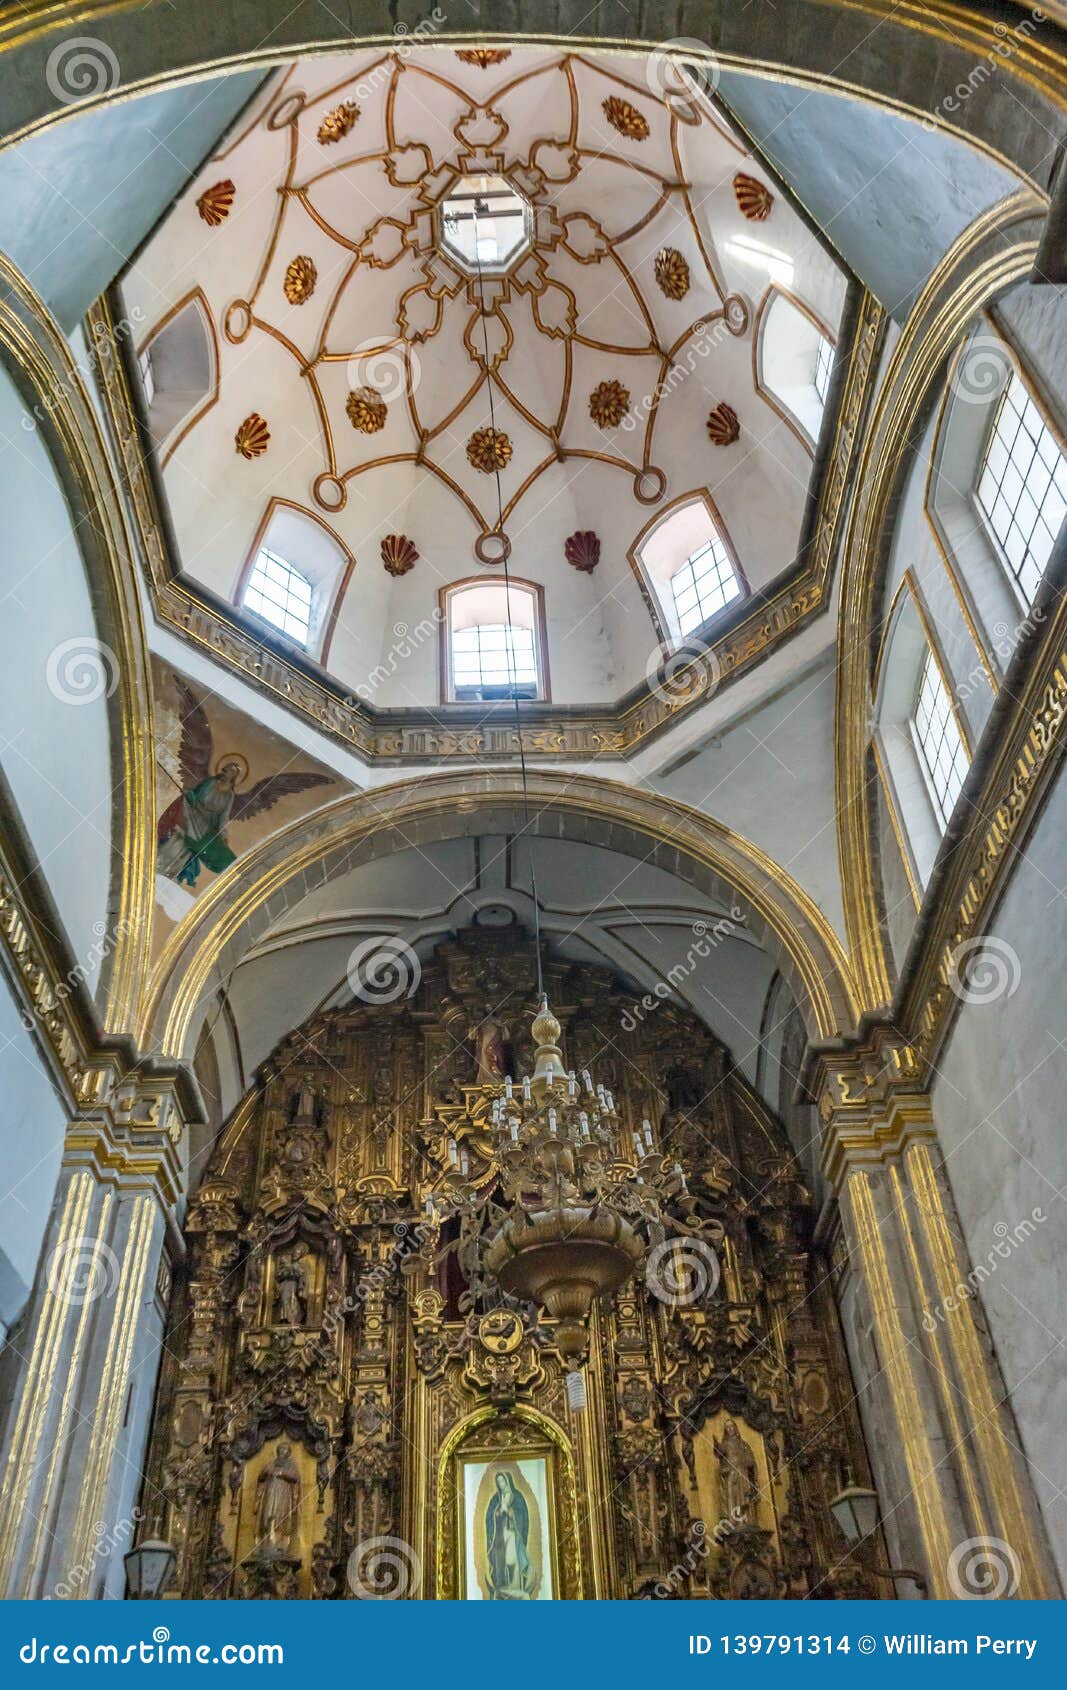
(238,908)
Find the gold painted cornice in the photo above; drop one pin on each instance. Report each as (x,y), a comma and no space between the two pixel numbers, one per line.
(40,362)
(870,1100)
(396,737)
(996,250)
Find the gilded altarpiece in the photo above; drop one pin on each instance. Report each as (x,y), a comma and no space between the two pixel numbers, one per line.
(350,1408)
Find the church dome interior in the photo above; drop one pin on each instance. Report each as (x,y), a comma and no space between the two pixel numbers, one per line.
(531,866)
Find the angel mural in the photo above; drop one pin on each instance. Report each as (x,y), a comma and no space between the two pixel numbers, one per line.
(192,830)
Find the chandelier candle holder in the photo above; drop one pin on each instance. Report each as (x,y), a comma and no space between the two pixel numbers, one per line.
(566,1240)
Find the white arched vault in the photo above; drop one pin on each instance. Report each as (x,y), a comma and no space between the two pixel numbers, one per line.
(228,921)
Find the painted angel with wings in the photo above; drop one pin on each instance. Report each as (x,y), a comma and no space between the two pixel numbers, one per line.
(192,830)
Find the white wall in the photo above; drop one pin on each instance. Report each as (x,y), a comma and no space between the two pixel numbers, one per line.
(54,681)
(32,1124)
(998,1104)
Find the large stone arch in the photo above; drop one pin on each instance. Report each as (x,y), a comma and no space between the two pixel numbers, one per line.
(925,50)
(232,916)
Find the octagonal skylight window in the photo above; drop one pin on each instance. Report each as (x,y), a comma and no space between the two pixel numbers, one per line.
(484,224)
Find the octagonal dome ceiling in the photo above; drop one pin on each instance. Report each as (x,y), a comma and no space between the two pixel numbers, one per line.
(331,365)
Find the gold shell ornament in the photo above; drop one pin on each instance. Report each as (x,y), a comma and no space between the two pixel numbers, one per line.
(399,554)
(300,279)
(337,123)
(582,550)
(483,56)
(626,118)
(723,426)
(671,272)
(366,410)
(609,403)
(754,199)
(253,436)
(488,449)
(215,203)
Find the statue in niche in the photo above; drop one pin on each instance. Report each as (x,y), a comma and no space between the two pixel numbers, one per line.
(490,1055)
(279,1503)
(738,1476)
(291,1285)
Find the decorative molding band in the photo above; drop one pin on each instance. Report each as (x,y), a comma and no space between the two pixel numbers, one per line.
(398,737)
(996,250)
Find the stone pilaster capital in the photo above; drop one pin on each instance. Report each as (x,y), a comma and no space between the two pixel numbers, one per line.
(870,1098)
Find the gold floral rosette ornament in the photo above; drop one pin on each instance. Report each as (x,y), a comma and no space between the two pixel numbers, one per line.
(671,272)
(216,202)
(300,278)
(337,123)
(253,436)
(366,410)
(626,118)
(488,449)
(609,403)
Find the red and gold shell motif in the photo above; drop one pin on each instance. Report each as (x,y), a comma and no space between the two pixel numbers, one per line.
(483,56)
(626,118)
(723,426)
(488,449)
(300,278)
(366,410)
(582,550)
(754,198)
(671,272)
(609,403)
(253,436)
(337,123)
(399,554)
(215,203)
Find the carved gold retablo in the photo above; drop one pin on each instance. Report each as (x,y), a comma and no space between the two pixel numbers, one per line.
(366,410)
(215,203)
(671,272)
(483,57)
(253,436)
(300,278)
(488,449)
(753,197)
(337,123)
(609,403)
(723,426)
(626,118)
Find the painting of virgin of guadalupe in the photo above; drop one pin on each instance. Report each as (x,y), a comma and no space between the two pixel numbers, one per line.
(508,1527)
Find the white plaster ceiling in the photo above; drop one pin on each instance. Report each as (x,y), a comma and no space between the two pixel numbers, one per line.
(388,312)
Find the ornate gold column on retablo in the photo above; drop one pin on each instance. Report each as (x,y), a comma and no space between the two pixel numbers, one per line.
(958,1473)
(71,1459)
